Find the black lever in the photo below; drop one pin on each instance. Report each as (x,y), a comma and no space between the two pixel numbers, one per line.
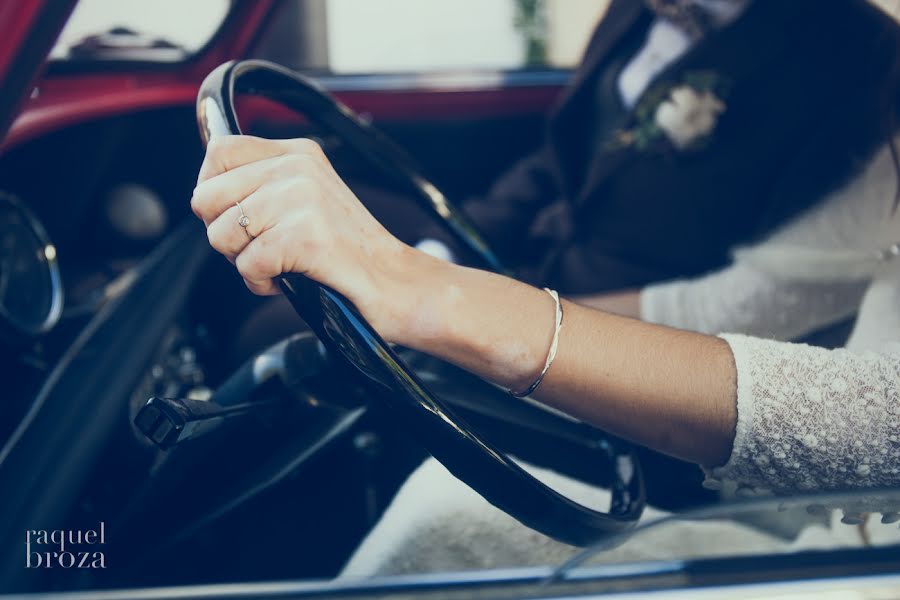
(169,421)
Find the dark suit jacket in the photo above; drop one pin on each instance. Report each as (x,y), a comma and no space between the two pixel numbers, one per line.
(804,111)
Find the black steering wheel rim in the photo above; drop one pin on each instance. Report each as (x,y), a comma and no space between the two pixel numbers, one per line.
(345,333)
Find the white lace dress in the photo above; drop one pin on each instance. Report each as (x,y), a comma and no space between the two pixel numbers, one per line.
(808,418)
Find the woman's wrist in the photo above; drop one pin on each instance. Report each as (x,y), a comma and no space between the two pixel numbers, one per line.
(404,284)
(440,308)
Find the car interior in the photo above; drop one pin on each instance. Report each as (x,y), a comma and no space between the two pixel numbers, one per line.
(287,479)
(289,487)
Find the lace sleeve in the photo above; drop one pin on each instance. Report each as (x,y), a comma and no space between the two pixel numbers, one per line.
(745,299)
(814,419)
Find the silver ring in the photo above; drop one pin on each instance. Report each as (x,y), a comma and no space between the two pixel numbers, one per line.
(244,220)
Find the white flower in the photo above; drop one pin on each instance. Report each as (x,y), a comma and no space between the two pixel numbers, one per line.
(688,115)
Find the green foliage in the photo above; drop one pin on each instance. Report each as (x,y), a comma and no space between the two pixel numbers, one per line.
(531,22)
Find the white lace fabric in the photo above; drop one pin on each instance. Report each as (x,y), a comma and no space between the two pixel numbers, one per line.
(810,419)
(745,299)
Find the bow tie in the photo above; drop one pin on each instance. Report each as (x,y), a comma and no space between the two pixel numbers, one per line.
(686,14)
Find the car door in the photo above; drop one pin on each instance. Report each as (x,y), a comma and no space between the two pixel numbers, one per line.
(27,31)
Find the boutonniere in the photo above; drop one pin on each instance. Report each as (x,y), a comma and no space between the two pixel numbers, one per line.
(683,114)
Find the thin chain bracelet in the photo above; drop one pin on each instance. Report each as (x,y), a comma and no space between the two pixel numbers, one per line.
(553,347)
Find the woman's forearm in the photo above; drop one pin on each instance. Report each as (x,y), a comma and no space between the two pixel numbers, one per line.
(664,388)
(667,389)
(626,303)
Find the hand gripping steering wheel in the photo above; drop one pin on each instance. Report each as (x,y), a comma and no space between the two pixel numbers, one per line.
(346,334)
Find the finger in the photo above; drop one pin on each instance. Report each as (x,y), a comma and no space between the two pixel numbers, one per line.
(227,152)
(220,193)
(226,236)
(265,288)
(261,261)
(262,210)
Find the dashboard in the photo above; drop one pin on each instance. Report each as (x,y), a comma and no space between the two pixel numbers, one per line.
(80,209)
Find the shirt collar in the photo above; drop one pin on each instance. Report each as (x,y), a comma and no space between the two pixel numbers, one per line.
(723,12)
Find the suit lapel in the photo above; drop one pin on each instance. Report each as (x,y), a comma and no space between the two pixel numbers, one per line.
(619,18)
(748,45)
(745,46)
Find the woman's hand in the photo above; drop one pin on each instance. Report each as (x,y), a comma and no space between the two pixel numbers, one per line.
(671,390)
(302,219)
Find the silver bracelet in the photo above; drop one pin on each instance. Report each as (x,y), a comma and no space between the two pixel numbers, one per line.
(553,347)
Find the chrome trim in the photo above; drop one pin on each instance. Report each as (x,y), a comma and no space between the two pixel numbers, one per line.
(212,120)
(444,81)
(270,363)
(50,255)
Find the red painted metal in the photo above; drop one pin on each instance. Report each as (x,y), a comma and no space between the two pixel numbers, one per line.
(16,19)
(63,102)
(28,30)
(69,101)
(416,105)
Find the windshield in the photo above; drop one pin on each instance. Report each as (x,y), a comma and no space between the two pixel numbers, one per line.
(163,30)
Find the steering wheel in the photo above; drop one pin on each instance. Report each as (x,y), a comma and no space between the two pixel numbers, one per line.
(378,368)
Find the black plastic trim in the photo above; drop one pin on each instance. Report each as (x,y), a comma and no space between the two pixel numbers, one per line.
(54,448)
